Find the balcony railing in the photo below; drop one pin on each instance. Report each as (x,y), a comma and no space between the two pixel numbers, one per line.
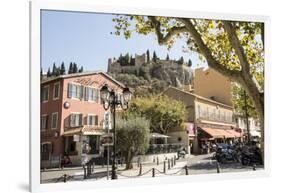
(212,117)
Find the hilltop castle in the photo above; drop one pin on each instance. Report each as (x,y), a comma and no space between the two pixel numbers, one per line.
(127,64)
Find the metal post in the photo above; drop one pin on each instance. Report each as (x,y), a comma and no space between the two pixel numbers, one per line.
(164,167)
(93,167)
(157,159)
(153,172)
(64,178)
(140,171)
(174,160)
(107,160)
(85,172)
(186,170)
(254,167)
(113,173)
(218,167)
(169,165)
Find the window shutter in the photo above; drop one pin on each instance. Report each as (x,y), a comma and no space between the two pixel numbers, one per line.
(96,120)
(71,120)
(69,90)
(86,93)
(80,119)
(46,124)
(81,92)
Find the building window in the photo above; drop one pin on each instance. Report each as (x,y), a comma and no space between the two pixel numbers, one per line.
(91,94)
(75,91)
(45,94)
(46,151)
(76,119)
(56,91)
(93,120)
(54,120)
(44,121)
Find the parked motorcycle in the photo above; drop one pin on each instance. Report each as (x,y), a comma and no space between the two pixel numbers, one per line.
(251,156)
(226,153)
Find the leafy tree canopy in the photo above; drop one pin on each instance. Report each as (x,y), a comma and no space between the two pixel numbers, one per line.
(163,112)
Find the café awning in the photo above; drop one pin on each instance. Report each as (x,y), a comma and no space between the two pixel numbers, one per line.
(221,133)
(85,130)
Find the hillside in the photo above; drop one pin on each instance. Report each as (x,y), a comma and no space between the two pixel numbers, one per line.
(151,75)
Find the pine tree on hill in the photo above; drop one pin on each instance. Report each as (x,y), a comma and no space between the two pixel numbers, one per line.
(181,60)
(127,58)
(49,74)
(131,61)
(148,55)
(62,69)
(70,69)
(55,70)
(75,68)
(189,64)
(167,57)
(154,57)
(81,69)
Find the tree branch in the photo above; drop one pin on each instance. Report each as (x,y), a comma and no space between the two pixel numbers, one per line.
(239,50)
(163,39)
(212,62)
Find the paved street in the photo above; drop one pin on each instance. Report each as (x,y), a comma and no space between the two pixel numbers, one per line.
(200,164)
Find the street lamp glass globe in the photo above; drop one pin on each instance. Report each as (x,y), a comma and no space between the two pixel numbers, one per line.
(127,95)
(104,92)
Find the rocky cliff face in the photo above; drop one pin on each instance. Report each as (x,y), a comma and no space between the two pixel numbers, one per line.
(177,75)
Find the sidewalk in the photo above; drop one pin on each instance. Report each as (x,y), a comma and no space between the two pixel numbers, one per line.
(100,173)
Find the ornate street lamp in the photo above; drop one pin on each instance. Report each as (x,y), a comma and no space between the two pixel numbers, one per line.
(111,100)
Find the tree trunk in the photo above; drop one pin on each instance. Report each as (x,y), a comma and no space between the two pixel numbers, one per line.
(129,159)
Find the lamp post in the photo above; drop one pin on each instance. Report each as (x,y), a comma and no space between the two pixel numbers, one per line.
(111,100)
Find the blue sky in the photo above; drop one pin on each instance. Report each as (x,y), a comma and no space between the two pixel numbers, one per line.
(84,38)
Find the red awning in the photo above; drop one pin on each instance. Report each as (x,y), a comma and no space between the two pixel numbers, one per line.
(221,133)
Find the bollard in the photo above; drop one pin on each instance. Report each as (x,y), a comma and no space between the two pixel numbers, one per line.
(88,170)
(169,165)
(64,178)
(186,170)
(93,167)
(174,160)
(153,159)
(140,171)
(254,167)
(157,159)
(153,172)
(218,167)
(85,175)
(164,167)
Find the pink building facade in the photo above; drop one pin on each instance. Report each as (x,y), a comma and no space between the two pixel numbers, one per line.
(72,116)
